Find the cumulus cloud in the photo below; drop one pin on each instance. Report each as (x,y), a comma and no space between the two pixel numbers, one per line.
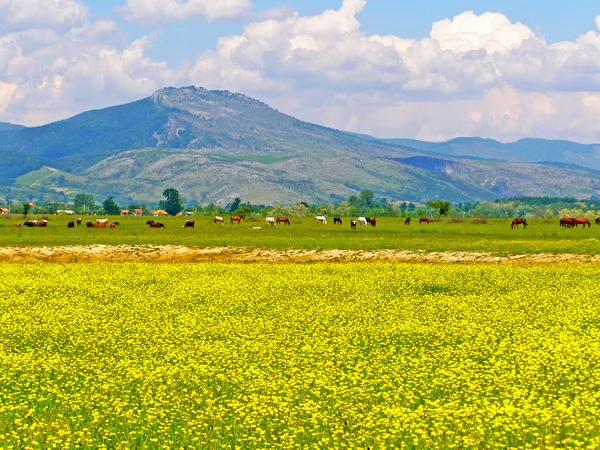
(16,14)
(473,75)
(492,32)
(160,10)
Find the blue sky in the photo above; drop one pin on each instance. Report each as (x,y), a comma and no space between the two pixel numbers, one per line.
(185,39)
(430,70)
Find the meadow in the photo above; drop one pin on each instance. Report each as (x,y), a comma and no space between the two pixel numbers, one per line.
(285,356)
(496,236)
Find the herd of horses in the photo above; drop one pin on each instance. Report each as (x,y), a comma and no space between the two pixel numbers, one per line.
(565,222)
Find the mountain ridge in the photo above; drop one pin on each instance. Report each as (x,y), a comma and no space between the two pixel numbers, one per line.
(533,150)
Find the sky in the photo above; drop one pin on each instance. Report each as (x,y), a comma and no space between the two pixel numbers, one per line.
(432,70)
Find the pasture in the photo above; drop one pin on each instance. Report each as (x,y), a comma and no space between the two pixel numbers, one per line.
(299,356)
(496,236)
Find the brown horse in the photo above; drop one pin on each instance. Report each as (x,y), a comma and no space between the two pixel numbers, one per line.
(598,221)
(567,222)
(71,225)
(407,221)
(423,220)
(372,221)
(517,222)
(78,221)
(583,221)
(237,219)
(157,225)
(337,220)
(283,220)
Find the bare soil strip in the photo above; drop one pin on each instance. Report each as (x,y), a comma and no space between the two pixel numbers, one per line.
(174,253)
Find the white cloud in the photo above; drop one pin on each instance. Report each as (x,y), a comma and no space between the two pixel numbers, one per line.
(160,10)
(490,31)
(15,14)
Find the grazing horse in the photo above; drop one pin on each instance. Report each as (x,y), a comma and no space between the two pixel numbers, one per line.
(71,225)
(149,222)
(237,219)
(78,221)
(598,221)
(517,222)
(219,219)
(99,225)
(18,225)
(353,224)
(104,221)
(189,224)
(407,221)
(157,225)
(567,222)
(42,223)
(337,220)
(89,224)
(372,221)
(112,225)
(362,220)
(283,220)
(583,221)
(270,221)
(321,219)
(424,220)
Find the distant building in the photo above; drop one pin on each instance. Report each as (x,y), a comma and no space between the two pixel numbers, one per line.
(4,211)
(160,212)
(124,212)
(137,212)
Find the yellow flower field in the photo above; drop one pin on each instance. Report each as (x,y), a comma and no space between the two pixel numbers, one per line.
(299,356)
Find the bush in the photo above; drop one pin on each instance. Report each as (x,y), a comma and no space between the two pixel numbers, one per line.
(455,220)
(479,220)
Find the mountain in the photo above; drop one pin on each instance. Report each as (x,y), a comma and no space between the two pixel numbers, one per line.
(524,150)
(10,127)
(218,145)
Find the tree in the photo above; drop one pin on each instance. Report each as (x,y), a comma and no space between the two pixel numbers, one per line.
(84,201)
(441,206)
(367,197)
(26,208)
(172,203)
(110,207)
(235,205)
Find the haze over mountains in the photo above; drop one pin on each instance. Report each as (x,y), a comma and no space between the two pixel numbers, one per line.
(217,145)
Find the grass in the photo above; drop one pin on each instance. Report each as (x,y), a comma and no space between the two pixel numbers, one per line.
(299,356)
(496,236)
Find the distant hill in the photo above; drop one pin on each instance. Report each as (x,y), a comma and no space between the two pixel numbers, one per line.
(217,145)
(524,150)
(10,127)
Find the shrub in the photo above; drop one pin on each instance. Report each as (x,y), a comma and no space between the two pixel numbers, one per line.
(479,220)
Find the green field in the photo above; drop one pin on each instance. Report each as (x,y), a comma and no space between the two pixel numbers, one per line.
(299,356)
(496,236)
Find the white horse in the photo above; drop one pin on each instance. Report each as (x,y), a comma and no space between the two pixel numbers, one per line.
(270,221)
(362,220)
(104,221)
(321,219)
(219,219)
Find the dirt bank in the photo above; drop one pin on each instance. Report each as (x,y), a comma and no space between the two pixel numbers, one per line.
(173,253)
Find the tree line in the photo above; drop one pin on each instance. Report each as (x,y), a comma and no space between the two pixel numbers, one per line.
(363,204)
